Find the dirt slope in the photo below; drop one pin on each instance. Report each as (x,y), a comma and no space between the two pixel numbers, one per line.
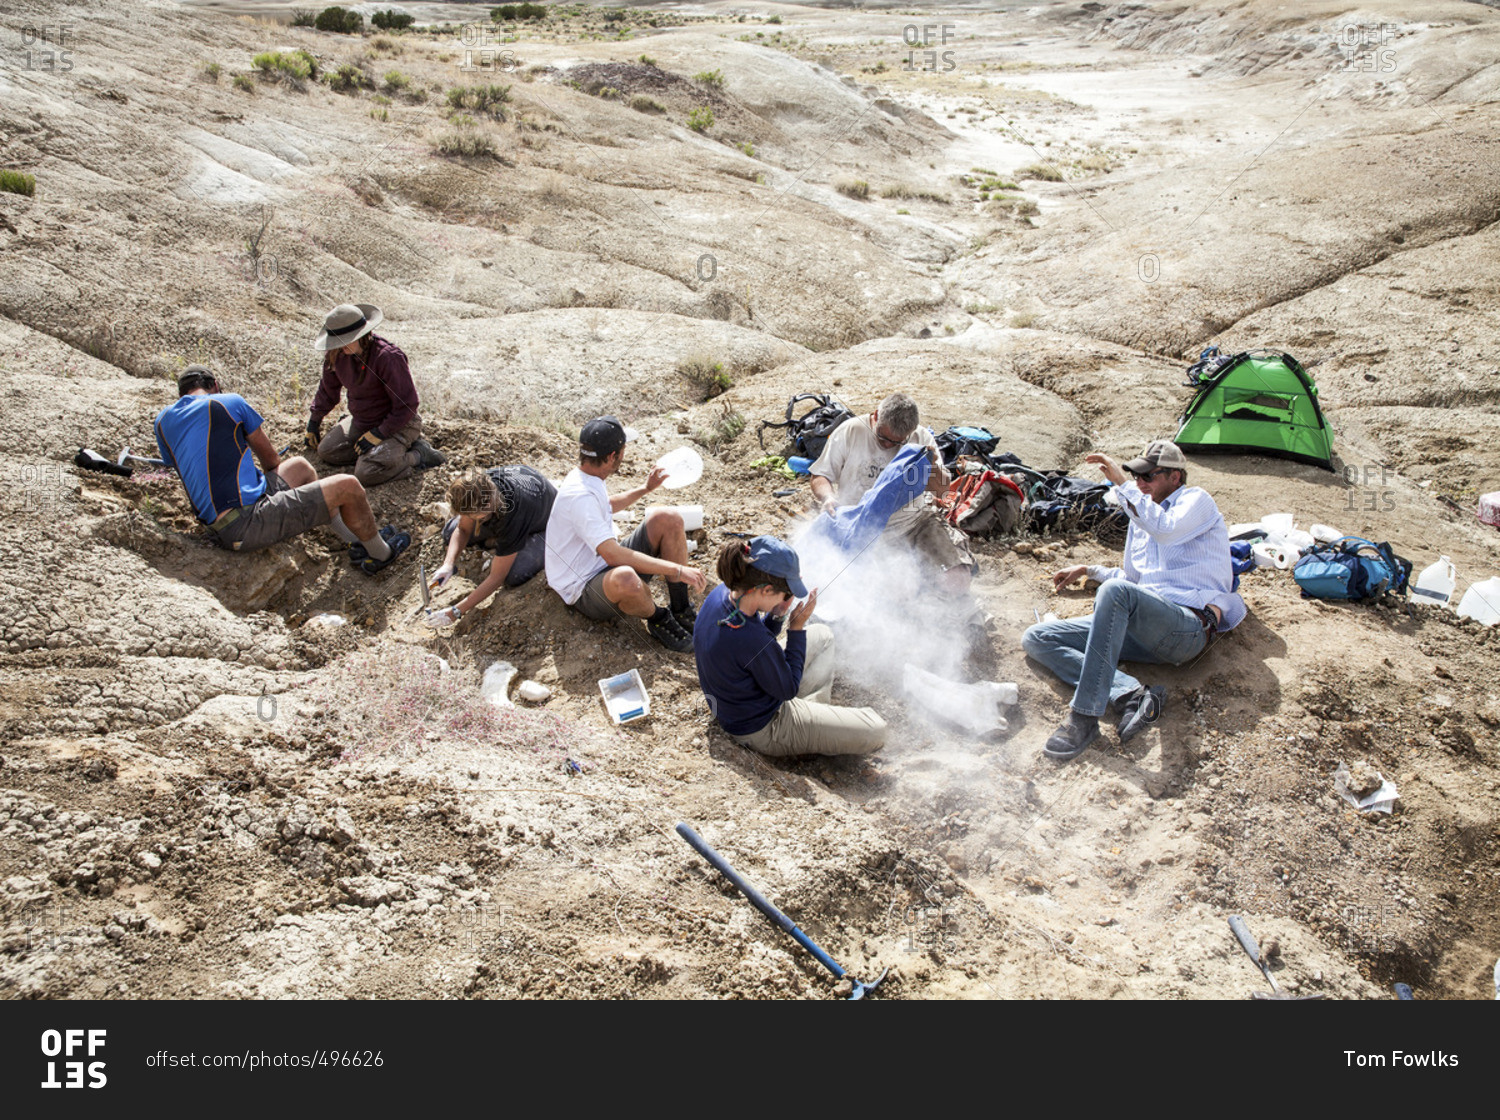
(210,788)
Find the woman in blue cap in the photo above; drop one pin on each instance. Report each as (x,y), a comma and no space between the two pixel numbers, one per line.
(771,700)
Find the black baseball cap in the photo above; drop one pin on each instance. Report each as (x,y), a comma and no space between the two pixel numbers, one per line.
(603,437)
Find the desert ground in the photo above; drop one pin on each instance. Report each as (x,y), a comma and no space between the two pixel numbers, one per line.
(263,776)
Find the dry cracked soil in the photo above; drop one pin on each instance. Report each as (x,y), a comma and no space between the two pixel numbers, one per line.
(1030,217)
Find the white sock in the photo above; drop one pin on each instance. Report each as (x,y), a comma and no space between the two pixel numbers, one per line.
(377,548)
(343,531)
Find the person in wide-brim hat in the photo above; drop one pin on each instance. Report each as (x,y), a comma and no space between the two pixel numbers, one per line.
(346,323)
(382,433)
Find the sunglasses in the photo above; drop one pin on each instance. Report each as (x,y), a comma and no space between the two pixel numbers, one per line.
(1149,475)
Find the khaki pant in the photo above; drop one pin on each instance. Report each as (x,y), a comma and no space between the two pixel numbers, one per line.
(811,725)
(390,461)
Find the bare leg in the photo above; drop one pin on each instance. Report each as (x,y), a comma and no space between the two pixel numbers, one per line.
(629,592)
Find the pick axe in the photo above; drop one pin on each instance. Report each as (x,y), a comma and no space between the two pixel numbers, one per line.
(126,456)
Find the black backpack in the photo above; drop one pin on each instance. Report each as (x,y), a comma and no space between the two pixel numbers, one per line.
(809,432)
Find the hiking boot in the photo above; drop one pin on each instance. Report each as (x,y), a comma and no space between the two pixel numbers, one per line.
(1139,708)
(686,617)
(427,455)
(358,554)
(1073,737)
(398,542)
(670,633)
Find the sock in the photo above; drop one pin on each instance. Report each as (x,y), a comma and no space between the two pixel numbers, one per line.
(661,615)
(377,548)
(343,531)
(677,596)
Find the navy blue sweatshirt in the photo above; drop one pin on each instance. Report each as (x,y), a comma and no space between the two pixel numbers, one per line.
(742,671)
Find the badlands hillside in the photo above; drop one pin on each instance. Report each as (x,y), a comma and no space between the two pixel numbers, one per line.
(1030,217)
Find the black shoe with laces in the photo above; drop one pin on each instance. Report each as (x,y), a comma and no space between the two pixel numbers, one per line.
(1139,708)
(358,554)
(669,632)
(686,617)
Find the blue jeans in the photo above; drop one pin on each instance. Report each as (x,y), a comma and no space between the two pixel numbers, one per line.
(1128,623)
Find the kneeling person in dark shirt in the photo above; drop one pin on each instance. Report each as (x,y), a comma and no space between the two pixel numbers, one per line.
(503,510)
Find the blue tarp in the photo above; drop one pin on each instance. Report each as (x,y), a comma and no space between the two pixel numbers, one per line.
(854,527)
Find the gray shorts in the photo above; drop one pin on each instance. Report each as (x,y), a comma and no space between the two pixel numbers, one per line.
(282,512)
(592,602)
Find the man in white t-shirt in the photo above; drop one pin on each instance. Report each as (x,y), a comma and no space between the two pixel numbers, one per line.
(856,453)
(603,578)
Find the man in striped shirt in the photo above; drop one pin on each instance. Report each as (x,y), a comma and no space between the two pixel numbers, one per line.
(1173,596)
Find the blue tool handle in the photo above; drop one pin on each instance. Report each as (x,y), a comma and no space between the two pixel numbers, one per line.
(758,900)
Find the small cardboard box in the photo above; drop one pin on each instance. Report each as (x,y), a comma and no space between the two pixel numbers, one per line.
(625,697)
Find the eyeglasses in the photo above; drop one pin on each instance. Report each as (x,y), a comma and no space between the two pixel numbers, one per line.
(888,441)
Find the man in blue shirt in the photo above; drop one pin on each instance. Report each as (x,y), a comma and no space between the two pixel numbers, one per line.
(208,437)
(1166,605)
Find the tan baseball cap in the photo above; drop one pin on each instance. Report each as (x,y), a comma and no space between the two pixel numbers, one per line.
(1160,453)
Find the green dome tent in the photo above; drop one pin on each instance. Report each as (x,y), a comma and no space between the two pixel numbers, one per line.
(1259,401)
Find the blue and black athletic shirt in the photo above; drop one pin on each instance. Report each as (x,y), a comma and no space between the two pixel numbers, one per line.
(206,438)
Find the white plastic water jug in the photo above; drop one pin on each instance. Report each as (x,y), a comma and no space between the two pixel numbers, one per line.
(1436,583)
(1482,601)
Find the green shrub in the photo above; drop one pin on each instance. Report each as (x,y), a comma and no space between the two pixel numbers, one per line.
(647,60)
(615,16)
(748,148)
(340,20)
(349,78)
(212,70)
(714,78)
(774,19)
(701,119)
(510,13)
(17,182)
(609,93)
(854,188)
(705,374)
(1042,171)
(481,99)
(392,20)
(293,66)
(304,17)
(396,81)
(244,82)
(643,104)
(381,114)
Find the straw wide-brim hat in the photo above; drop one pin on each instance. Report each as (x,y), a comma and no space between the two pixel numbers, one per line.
(345,323)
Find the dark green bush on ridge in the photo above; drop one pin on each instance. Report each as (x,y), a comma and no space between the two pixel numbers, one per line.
(341,20)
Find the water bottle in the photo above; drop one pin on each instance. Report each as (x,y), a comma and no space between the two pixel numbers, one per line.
(1436,583)
(799,464)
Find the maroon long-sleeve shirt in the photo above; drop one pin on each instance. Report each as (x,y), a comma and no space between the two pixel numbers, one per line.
(381,396)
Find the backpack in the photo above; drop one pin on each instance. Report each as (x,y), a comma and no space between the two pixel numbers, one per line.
(972,442)
(981,502)
(809,432)
(1351,568)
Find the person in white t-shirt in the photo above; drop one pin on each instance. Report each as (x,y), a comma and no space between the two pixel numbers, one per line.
(604,578)
(856,453)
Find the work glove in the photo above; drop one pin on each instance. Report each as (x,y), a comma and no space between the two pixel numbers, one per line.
(368,442)
(441,576)
(314,434)
(441,620)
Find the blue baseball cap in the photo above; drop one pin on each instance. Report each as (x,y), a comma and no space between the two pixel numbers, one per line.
(777,558)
